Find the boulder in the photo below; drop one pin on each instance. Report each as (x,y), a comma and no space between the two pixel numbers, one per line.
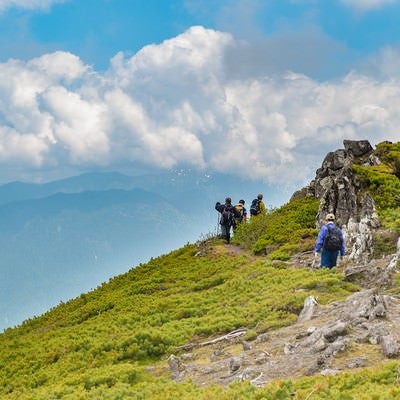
(246,345)
(176,366)
(234,364)
(264,337)
(331,333)
(365,304)
(357,147)
(390,347)
(310,305)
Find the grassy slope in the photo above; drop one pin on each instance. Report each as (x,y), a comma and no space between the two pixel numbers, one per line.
(98,345)
(103,339)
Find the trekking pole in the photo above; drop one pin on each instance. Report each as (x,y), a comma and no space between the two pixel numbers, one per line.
(218,220)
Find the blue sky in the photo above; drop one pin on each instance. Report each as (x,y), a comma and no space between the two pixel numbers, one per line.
(96,30)
(139,85)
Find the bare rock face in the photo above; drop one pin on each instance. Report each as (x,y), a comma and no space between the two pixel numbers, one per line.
(340,192)
(337,186)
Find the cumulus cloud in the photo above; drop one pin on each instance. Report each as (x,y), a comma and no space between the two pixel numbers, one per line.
(366,5)
(178,104)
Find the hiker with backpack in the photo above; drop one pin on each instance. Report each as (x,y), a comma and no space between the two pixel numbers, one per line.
(227,218)
(330,240)
(242,214)
(257,206)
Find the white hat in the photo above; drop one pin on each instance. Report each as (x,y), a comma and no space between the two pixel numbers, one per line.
(330,217)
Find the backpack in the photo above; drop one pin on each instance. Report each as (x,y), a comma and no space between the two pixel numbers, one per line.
(239,208)
(255,207)
(332,240)
(227,216)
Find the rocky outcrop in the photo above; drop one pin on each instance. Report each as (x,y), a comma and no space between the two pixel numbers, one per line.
(340,192)
(338,187)
(319,343)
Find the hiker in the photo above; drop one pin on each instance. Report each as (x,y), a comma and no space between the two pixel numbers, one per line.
(257,206)
(227,219)
(242,214)
(330,240)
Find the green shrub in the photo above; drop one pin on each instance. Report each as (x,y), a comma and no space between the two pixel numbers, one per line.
(382,182)
(289,229)
(385,242)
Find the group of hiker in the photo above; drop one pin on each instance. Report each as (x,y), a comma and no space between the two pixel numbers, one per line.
(330,242)
(231,216)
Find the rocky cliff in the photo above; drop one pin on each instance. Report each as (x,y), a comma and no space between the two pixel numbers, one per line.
(340,192)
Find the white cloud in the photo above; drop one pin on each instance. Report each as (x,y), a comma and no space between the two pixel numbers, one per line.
(77,125)
(15,148)
(59,66)
(28,4)
(177,104)
(366,5)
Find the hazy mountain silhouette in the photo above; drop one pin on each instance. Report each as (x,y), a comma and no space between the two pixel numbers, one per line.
(61,238)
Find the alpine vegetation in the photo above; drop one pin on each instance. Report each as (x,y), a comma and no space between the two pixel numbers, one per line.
(257,318)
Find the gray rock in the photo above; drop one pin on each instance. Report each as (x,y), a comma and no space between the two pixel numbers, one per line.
(329,371)
(316,365)
(313,338)
(390,347)
(303,334)
(331,333)
(357,363)
(262,338)
(357,147)
(310,305)
(319,345)
(377,332)
(176,366)
(262,358)
(336,347)
(289,348)
(246,345)
(362,337)
(378,312)
(249,374)
(366,304)
(234,364)
(311,330)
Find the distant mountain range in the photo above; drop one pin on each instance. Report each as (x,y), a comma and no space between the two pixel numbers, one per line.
(62,238)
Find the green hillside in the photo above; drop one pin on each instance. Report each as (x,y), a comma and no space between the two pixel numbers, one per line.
(100,342)
(114,342)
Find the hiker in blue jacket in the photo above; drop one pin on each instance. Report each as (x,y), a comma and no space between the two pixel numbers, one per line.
(227,218)
(330,240)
